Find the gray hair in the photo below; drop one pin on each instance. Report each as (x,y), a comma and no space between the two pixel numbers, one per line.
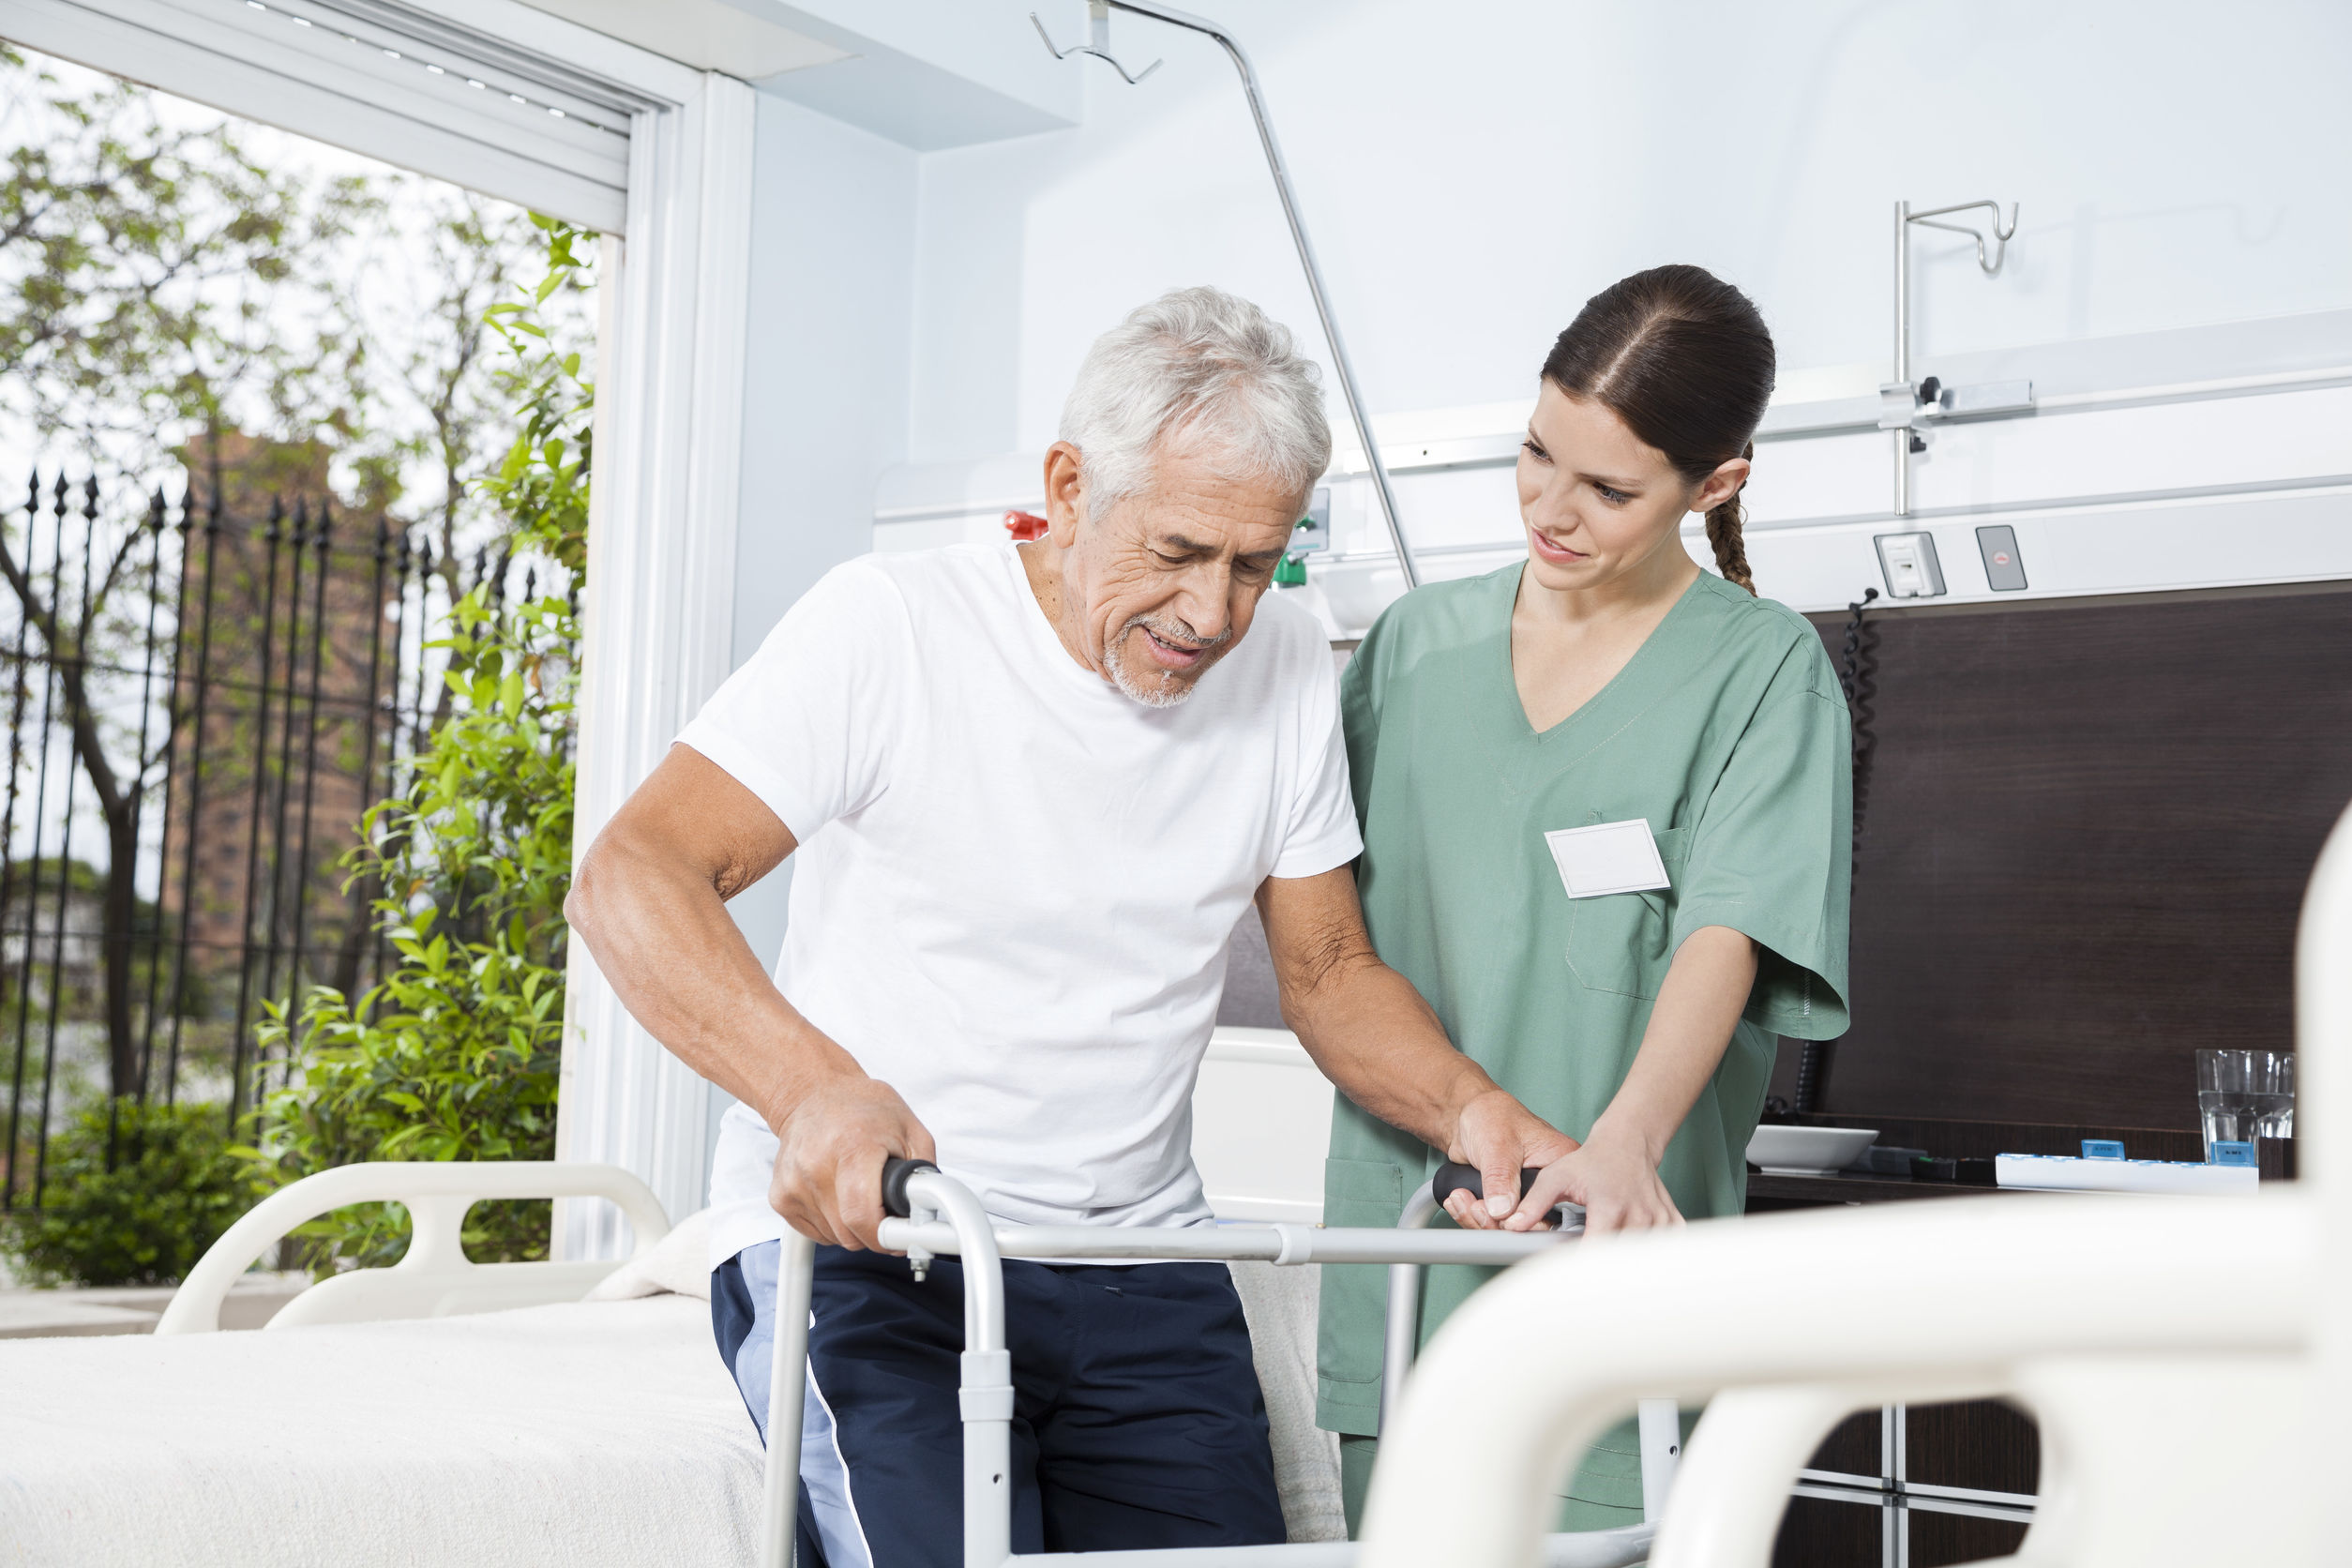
(1196,364)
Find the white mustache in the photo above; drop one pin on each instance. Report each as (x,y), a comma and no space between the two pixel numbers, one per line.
(1176,633)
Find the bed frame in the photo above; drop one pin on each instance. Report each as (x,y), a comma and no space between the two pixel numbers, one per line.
(434,1278)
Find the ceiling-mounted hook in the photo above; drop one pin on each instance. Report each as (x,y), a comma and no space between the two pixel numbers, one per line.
(2001,236)
(1097,42)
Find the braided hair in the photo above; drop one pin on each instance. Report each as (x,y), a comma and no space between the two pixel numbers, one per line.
(1685,361)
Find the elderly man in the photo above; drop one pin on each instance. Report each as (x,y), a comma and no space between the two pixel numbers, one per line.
(1031,788)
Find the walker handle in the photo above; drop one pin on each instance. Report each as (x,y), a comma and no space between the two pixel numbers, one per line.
(896,1172)
(1453,1178)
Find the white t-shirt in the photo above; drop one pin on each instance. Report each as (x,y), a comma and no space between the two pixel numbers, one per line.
(1014,884)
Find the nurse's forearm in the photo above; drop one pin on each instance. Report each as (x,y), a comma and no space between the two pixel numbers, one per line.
(1699,1004)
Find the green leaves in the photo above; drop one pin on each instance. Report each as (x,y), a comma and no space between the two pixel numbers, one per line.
(454,1055)
(175,1185)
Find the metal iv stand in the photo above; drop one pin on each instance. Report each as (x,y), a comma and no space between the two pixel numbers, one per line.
(1098,45)
(1902,408)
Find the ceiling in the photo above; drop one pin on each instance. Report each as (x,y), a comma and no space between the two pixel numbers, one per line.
(708,34)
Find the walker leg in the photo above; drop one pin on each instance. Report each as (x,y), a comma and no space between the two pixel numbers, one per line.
(788,1372)
(1661,1448)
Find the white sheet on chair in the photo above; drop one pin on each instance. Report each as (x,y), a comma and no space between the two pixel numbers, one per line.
(580,1434)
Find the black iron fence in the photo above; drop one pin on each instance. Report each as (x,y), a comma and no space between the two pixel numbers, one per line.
(201,699)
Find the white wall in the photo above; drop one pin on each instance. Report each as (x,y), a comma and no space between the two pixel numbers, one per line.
(2186,213)
(827,357)
(1474,173)
(828,352)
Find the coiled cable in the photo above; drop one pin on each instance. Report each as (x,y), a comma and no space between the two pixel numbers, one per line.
(1857,674)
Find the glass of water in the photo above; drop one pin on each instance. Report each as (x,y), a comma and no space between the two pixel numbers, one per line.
(2245,1094)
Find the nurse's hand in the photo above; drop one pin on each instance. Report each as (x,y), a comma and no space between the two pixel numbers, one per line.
(1616,1179)
(1500,1137)
(827,1182)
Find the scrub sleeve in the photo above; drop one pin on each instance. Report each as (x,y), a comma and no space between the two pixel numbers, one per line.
(1728,733)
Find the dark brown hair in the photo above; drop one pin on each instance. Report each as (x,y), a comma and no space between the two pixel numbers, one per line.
(1685,359)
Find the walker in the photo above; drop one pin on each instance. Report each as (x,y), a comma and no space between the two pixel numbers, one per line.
(935,1215)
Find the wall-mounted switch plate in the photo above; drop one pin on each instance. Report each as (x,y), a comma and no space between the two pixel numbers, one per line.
(2004,568)
(1911,566)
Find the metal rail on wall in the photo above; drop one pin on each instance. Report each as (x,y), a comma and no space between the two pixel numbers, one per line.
(1098,46)
(1906,408)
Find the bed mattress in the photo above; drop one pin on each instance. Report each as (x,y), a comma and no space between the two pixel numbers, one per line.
(585,1434)
(597,1433)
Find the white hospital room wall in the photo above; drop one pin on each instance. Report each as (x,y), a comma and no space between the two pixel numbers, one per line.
(1472,173)
(828,357)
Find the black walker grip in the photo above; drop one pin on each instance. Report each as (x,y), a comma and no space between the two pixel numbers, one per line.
(1453,1178)
(896,1172)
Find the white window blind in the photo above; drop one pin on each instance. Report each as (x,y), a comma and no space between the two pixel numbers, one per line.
(406,83)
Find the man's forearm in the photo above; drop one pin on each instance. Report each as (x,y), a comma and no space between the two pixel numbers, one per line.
(662,935)
(1377,1040)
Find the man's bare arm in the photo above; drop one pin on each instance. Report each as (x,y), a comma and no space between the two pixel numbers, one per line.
(650,901)
(1374,1037)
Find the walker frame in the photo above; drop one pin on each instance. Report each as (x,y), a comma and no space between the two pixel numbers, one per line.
(935,1215)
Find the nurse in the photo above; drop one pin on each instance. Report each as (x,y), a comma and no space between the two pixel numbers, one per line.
(1605,804)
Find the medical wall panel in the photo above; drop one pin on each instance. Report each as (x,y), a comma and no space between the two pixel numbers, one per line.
(2088,829)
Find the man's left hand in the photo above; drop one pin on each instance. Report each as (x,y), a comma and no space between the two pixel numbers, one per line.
(1500,1137)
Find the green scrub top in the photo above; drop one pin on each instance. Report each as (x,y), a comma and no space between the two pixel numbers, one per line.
(1727,733)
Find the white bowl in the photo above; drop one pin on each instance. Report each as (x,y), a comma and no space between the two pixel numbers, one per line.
(1779,1151)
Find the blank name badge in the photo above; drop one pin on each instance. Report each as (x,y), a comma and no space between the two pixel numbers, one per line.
(1607,857)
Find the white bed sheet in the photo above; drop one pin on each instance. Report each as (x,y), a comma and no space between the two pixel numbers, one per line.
(580,1435)
(595,1432)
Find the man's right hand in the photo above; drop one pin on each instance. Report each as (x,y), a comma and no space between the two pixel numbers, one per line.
(829,1159)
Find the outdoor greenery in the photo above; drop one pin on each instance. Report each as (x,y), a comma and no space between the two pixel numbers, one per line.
(174,285)
(145,1216)
(179,290)
(454,1055)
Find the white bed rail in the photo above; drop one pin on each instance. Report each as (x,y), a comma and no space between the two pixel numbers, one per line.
(1796,1299)
(434,1278)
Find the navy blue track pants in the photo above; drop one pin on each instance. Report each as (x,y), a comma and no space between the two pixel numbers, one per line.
(1137,1422)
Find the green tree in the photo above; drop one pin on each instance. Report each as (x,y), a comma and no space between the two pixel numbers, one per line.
(454,1054)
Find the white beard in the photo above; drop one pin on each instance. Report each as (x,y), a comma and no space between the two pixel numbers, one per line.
(1159,689)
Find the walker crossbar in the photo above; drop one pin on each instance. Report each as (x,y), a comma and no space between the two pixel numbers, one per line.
(945,1218)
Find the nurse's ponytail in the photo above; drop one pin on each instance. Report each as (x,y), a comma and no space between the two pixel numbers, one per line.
(1722,531)
(1685,361)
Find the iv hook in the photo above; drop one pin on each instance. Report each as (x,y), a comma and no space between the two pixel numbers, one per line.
(1097,42)
(2001,236)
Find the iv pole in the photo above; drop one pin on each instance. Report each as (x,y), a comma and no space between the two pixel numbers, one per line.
(1899,400)
(1098,45)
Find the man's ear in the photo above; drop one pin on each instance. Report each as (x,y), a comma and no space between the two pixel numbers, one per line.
(1066,493)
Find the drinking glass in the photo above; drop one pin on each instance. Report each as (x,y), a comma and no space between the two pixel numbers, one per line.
(2245,1095)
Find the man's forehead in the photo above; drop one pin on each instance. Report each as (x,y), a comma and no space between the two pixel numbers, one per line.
(1256,538)
(1217,516)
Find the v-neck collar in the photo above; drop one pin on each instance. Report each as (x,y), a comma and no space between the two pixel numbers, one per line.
(1641,656)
